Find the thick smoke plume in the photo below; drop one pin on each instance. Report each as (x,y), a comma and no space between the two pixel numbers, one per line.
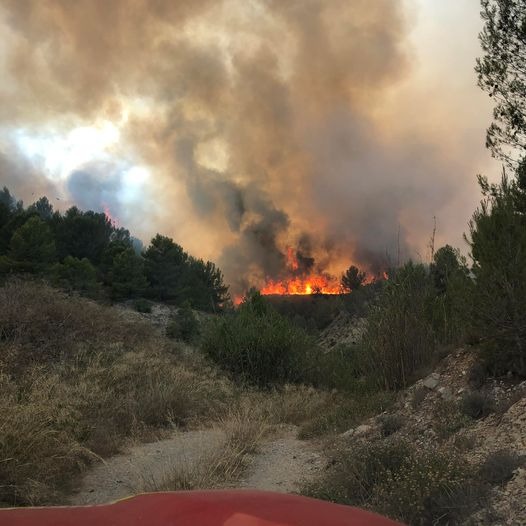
(262,122)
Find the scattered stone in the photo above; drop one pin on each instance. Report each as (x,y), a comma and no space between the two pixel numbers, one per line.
(431,381)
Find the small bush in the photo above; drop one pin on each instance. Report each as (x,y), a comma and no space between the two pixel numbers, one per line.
(259,345)
(294,404)
(41,325)
(340,368)
(356,473)
(477,375)
(448,419)
(244,425)
(184,326)
(477,404)
(143,306)
(465,442)
(75,274)
(345,413)
(499,467)
(419,396)
(429,488)
(38,448)
(390,477)
(390,424)
(398,340)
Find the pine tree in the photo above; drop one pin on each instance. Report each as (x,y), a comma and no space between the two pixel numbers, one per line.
(352,279)
(32,247)
(127,275)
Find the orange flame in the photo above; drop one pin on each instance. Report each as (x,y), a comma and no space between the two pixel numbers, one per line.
(304,284)
(312,284)
(292,261)
(109,217)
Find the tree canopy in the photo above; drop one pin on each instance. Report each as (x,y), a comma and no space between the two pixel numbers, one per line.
(352,279)
(502,73)
(83,251)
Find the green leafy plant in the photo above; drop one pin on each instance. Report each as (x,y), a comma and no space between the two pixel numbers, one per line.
(184,325)
(477,404)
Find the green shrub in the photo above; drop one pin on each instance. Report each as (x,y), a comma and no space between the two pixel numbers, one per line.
(312,312)
(340,368)
(259,345)
(75,275)
(498,247)
(390,477)
(356,473)
(143,306)
(477,404)
(429,488)
(390,424)
(345,413)
(184,325)
(399,339)
(448,419)
(499,466)
(452,304)
(419,396)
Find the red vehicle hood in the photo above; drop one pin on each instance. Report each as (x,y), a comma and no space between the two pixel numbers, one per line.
(199,508)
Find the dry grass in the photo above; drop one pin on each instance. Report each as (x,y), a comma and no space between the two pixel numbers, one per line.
(249,421)
(76,381)
(39,324)
(245,425)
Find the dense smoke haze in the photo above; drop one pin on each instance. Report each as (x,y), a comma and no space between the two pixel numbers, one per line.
(243,128)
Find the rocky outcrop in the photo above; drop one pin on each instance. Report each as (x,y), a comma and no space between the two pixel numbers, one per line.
(344,329)
(432,417)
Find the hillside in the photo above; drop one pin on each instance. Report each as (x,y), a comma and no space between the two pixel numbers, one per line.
(118,408)
(443,419)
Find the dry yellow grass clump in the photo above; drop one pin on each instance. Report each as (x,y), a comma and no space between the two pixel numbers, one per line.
(76,380)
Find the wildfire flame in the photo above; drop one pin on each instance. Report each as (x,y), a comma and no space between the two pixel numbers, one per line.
(313,284)
(305,283)
(109,217)
(301,284)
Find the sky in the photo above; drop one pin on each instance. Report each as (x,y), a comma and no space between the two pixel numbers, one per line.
(245,128)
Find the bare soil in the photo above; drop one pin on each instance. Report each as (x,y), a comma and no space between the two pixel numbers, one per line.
(144,465)
(282,464)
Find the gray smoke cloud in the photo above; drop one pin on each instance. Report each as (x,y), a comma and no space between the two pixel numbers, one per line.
(263,124)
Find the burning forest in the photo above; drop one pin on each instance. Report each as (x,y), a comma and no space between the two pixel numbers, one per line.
(238,128)
(302,278)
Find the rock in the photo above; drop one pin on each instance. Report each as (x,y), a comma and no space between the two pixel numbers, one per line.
(431,381)
(446,394)
(362,430)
